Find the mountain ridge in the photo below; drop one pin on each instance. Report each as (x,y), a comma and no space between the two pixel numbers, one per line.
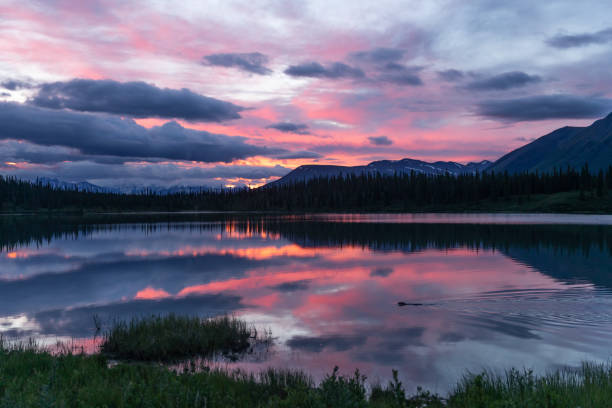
(383,167)
(571,146)
(567,146)
(85,186)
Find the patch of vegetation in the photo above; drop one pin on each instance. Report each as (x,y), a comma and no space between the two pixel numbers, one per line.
(31,377)
(171,337)
(588,386)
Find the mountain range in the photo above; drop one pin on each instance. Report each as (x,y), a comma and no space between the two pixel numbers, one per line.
(384,167)
(124,189)
(568,146)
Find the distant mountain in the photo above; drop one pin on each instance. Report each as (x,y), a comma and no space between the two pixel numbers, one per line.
(124,189)
(383,167)
(82,186)
(573,146)
(161,190)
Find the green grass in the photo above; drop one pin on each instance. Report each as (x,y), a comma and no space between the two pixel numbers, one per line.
(31,377)
(588,386)
(172,337)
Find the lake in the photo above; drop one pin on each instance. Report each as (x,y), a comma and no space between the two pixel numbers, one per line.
(482,291)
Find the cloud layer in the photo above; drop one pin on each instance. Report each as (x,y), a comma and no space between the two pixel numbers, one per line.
(542,107)
(288,127)
(254,62)
(427,75)
(504,81)
(450,75)
(379,55)
(336,70)
(580,40)
(15,84)
(400,75)
(137,99)
(113,136)
(380,140)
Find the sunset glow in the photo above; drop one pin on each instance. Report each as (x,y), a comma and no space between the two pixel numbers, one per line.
(302,83)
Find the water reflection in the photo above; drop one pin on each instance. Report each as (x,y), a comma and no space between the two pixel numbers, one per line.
(480,294)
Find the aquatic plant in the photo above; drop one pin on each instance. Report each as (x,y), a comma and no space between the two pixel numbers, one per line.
(171,337)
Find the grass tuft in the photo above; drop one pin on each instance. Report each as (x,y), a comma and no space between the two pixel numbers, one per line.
(587,386)
(172,337)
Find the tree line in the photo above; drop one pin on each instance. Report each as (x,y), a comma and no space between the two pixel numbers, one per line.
(401,191)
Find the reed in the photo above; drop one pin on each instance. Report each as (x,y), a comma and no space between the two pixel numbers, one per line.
(171,337)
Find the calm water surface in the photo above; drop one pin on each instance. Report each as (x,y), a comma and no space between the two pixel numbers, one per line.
(493,291)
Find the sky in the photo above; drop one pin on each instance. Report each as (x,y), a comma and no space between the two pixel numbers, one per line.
(233,93)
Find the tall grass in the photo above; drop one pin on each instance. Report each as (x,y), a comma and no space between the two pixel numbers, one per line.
(172,337)
(587,386)
(34,377)
(30,377)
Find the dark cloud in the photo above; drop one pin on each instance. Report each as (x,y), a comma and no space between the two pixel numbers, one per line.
(113,136)
(317,344)
(395,67)
(253,62)
(302,154)
(504,81)
(580,40)
(389,72)
(288,127)
(14,84)
(137,99)
(381,272)
(292,286)
(378,55)
(337,70)
(399,74)
(451,75)
(5,94)
(380,140)
(70,163)
(543,107)
(11,150)
(404,78)
(20,151)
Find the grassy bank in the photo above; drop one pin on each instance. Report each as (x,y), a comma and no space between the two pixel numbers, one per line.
(172,337)
(32,378)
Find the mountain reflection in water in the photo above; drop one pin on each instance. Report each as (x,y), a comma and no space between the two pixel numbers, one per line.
(484,292)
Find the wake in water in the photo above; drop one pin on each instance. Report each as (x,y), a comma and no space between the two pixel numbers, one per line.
(571,306)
